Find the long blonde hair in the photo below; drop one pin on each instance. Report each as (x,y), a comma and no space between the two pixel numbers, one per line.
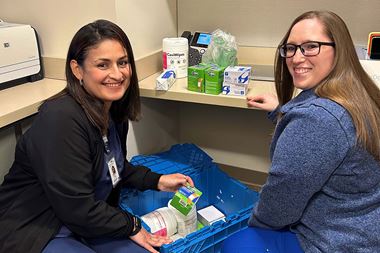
(347,84)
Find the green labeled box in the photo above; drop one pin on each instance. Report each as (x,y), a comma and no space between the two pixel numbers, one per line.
(214,79)
(196,77)
(185,198)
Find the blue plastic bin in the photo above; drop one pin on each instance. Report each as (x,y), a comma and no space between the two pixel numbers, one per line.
(230,196)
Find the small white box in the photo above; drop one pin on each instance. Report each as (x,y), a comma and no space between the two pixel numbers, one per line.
(237,74)
(209,215)
(166,80)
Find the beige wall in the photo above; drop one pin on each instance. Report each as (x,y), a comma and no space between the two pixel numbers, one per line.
(145,22)
(263,23)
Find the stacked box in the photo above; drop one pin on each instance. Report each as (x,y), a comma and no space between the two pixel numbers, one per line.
(236,80)
(231,197)
(196,77)
(214,80)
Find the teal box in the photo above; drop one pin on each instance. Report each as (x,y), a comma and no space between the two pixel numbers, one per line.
(214,80)
(196,77)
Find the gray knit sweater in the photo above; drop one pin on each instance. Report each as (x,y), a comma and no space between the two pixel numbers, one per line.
(321,185)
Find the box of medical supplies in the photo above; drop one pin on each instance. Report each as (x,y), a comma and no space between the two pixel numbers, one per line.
(196,77)
(226,194)
(236,80)
(214,80)
(166,80)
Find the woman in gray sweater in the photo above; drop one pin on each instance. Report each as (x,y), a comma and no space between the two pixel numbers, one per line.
(323,189)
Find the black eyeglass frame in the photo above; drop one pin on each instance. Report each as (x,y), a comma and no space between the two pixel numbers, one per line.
(282,49)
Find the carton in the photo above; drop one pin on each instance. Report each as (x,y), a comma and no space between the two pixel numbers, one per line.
(214,80)
(236,80)
(196,77)
(166,80)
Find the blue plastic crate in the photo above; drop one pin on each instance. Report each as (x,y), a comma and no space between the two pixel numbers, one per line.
(230,196)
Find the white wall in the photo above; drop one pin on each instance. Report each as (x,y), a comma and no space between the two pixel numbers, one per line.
(56,21)
(145,22)
(263,23)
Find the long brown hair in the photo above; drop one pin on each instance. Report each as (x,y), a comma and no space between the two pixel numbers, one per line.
(347,84)
(87,37)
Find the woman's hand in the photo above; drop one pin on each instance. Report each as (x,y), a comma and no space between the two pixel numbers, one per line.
(267,102)
(148,240)
(171,182)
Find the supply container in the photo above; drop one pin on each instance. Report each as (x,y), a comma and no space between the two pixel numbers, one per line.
(231,197)
(175,55)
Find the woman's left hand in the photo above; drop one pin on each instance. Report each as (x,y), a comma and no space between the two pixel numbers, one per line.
(171,182)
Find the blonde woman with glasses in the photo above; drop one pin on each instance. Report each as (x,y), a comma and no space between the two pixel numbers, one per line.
(323,189)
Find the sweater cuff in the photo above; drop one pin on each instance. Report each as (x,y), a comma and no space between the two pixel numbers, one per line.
(151,180)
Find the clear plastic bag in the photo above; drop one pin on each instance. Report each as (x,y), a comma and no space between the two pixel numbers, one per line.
(222,49)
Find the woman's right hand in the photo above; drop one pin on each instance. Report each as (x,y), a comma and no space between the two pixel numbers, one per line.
(148,240)
(267,102)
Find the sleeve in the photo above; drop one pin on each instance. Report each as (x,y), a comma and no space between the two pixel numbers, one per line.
(140,177)
(63,158)
(309,149)
(272,116)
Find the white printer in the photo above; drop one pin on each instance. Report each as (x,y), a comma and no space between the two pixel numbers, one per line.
(20,57)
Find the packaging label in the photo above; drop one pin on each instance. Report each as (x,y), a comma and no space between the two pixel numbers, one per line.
(185,198)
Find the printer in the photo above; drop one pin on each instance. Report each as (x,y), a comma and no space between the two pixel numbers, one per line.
(20,56)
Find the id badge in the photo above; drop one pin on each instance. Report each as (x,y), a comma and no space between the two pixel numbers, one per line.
(112,168)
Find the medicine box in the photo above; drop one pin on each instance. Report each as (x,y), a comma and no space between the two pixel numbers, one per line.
(209,215)
(185,198)
(196,77)
(236,80)
(214,80)
(237,74)
(165,80)
(228,195)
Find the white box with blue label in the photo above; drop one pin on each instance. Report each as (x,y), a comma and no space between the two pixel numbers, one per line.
(236,80)
(166,80)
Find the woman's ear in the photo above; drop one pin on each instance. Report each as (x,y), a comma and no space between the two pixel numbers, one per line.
(76,69)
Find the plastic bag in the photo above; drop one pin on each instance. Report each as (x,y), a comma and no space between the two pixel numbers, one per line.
(222,49)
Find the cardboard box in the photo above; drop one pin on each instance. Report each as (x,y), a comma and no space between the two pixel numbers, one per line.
(185,198)
(236,80)
(166,80)
(214,80)
(237,74)
(209,215)
(196,77)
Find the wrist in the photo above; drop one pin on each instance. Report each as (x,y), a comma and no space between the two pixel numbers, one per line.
(136,226)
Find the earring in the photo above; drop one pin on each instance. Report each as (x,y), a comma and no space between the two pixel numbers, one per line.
(81,82)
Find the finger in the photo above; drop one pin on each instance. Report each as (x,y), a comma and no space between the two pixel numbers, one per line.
(254,104)
(157,242)
(161,238)
(256,98)
(190,181)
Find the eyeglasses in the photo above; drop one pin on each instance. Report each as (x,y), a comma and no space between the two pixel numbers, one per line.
(310,48)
